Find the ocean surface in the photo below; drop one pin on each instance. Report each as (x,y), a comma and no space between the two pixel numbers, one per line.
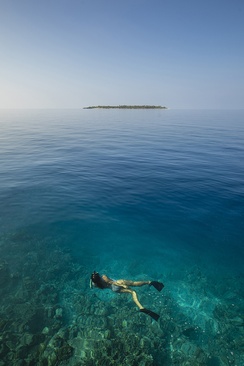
(134,194)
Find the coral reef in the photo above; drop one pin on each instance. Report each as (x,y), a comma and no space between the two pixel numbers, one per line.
(49,316)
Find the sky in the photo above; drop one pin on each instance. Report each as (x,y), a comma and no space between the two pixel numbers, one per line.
(76,53)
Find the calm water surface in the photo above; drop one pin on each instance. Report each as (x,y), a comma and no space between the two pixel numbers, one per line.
(133,180)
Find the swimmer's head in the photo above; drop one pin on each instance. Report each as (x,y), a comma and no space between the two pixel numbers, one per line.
(95,277)
(96,280)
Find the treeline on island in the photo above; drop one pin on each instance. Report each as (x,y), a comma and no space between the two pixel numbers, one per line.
(127,107)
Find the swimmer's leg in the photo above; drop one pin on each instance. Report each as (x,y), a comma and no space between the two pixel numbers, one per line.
(134,296)
(158,285)
(137,302)
(132,283)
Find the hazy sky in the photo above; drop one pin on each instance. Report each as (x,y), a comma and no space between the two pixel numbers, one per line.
(74,53)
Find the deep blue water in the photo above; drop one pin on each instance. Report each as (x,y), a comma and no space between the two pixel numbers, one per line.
(135,193)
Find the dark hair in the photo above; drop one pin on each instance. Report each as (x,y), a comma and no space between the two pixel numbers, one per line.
(97,280)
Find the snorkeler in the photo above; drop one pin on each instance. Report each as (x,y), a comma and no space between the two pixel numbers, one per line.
(122,286)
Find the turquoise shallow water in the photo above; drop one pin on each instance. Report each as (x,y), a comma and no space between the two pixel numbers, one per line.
(155,194)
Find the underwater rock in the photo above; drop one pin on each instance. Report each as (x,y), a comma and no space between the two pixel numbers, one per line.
(47,294)
(15,276)
(145,342)
(59,313)
(190,333)
(38,338)
(93,322)
(117,353)
(4,273)
(101,311)
(3,324)
(45,330)
(29,284)
(11,345)
(49,357)
(212,326)
(124,323)
(188,349)
(3,350)
(37,321)
(65,352)
(57,350)
(82,346)
(237,321)
(26,339)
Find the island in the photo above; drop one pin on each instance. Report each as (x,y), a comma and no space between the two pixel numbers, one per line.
(126,107)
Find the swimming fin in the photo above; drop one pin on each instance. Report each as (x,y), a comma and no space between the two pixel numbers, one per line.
(158,285)
(151,313)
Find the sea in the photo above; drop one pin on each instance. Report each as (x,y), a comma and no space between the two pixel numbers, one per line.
(150,195)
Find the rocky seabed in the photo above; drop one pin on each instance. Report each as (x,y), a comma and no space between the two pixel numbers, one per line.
(49,316)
